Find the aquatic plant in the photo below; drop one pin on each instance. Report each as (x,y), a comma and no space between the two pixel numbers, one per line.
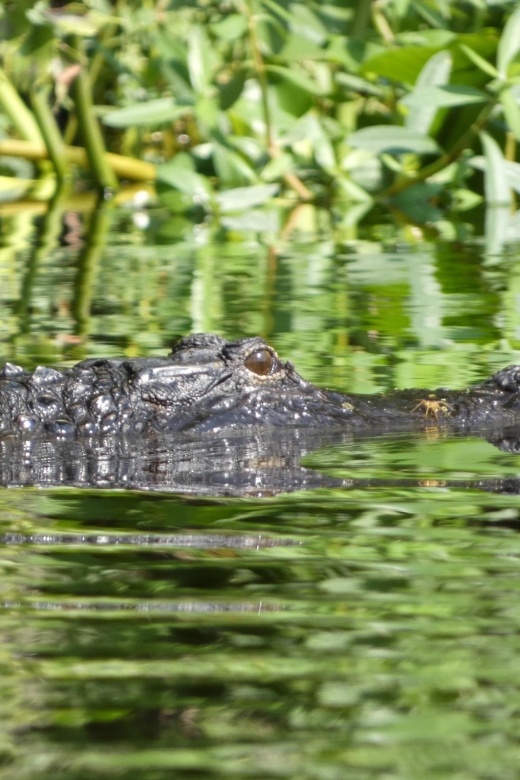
(230,104)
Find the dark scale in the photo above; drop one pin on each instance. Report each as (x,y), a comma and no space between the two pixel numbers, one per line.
(209,385)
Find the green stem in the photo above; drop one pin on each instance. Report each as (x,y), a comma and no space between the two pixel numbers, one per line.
(291,179)
(90,129)
(50,132)
(453,154)
(261,76)
(361,18)
(13,105)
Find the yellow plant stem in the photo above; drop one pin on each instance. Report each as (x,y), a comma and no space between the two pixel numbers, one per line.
(125,167)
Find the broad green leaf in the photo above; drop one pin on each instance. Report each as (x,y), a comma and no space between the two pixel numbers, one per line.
(439,97)
(153,112)
(231,27)
(242,198)
(509,43)
(321,144)
(426,37)
(511,112)
(416,202)
(296,77)
(352,190)
(403,64)
(231,169)
(513,174)
(347,51)
(230,91)
(177,174)
(512,170)
(304,22)
(277,167)
(479,61)
(355,213)
(430,15)
(464,200)
(357,84)
(497,194)
(298,48)
(256,220)
(199,58)
(389,138)
(435,73)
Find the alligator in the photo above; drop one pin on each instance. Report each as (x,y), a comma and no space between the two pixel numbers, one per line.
(210,385)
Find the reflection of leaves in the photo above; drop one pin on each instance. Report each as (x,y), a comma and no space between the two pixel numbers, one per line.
(498,196)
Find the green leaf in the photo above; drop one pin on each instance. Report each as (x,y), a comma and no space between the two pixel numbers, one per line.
(242,198)
(464,200)
(321,144)
(512,170)
(256,220)
(199,59)
(511,112)
(231,27)
(497,194)
(389,138)
(298,48)
(357,84)
(403,64)
(230,91)
(479,61)
(416,202)
(277,167)
(509,43)
(439,97)
(431,16)
(231,169)
(296,77)
(305,23)
(148,114)
(435,73)
(179,174)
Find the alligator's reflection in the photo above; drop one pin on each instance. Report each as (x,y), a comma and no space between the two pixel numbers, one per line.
(265,462)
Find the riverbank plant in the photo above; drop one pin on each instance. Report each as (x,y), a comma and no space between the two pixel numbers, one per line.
(232,106)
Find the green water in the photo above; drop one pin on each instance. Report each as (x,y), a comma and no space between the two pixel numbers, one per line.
(356,632)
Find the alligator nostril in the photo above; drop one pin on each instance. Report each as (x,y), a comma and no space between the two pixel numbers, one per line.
(260,362)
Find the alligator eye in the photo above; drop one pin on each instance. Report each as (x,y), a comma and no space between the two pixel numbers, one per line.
(260,362)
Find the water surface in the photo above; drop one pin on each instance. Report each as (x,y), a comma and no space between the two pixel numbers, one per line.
(365,625)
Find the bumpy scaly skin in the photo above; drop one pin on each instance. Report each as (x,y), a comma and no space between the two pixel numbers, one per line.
(205,385)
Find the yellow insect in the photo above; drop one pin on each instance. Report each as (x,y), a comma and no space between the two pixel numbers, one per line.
(432,408)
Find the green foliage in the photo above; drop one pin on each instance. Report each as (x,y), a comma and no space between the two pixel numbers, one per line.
(261,91)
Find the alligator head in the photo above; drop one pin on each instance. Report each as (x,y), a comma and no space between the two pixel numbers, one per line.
(210,384)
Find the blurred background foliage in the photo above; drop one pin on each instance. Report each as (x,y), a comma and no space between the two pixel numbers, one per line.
(238,107)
